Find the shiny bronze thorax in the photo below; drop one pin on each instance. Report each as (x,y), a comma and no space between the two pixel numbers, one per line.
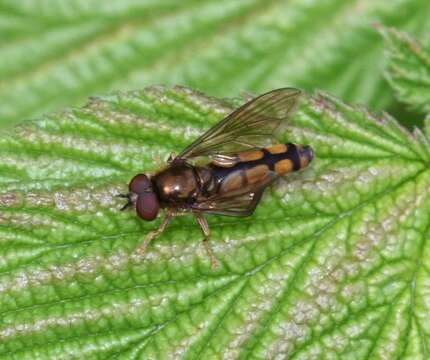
(176,184)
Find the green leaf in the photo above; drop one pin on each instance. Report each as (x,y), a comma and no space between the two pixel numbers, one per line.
(408,69)
(334,263)
(56,53)
(427,125)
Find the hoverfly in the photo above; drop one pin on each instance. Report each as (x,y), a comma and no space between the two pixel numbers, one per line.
(239,167)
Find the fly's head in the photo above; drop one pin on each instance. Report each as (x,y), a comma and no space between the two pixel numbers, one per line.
(142,195)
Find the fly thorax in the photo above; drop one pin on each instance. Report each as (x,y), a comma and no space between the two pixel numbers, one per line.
(177,184)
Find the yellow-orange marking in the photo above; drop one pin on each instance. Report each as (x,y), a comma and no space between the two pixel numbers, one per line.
(256,173)
(284,166)
(232,182)
(251,155)
(277,149)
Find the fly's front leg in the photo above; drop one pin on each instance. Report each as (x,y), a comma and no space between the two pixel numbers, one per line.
(153,234)
(206,232)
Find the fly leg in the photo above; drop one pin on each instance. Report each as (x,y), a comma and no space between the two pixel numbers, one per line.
(206,232)
(153,234)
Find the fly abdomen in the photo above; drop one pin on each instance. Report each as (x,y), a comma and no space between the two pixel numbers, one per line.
(249,168)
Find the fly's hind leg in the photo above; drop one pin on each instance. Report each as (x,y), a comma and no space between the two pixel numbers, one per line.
(206,232)
(153,234)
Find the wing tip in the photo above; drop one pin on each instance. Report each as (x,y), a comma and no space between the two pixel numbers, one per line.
(292,90)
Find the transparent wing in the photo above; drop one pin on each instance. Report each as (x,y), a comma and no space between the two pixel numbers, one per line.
(250,126)
(241,204)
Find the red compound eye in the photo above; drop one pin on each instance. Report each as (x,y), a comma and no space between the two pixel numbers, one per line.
(147,206)
(139,184)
